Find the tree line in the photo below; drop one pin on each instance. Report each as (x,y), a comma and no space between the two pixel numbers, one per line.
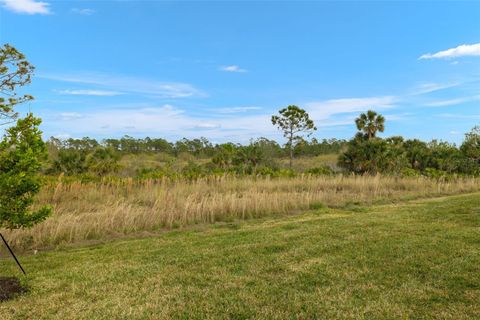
(76,156)
(365,153)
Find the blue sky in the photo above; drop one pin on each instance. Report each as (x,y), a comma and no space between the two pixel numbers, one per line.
(177,69)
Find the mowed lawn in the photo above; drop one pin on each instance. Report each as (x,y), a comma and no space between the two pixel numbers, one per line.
(418,260)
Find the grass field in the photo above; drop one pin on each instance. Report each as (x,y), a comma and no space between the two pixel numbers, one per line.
(417,260)
(89,212)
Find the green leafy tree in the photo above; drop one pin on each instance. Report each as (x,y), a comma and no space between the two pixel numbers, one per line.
(369,123)
(21,147)
(247,158)
(70,162)
(103,161)
(15,71)
(418,154)
(293,121)
(365,156)
(21,152)
(470,149)
(368,154)
(445,157)
(224,154)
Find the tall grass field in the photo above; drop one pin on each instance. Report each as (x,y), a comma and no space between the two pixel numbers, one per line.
(116,208)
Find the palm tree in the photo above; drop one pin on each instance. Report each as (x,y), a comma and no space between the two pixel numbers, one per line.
(370,123)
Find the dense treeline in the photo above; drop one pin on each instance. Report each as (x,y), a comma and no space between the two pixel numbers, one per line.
(364,154)
(87,155)
(368,154)
(200,148)
(395,155)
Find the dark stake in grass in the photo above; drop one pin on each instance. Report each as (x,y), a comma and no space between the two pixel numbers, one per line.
(13,254)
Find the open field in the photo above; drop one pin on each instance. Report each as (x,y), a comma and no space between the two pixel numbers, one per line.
(417,260)
(113,209)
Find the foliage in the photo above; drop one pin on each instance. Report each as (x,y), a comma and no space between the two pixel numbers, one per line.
(151,157)
(470,149)
(293,121)
(320,171)
(194,171)
(103,161)
(69,162)
(369,156)
(315,147)
(21,152)
(370,123)
(93,158)
(21,147)
(417,153)
(15,71)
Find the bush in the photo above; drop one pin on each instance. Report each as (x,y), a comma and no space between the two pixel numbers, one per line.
(435,173)
(320,171)
(409,172)
(103,161)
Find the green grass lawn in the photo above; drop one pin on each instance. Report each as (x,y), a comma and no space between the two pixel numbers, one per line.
(419,260)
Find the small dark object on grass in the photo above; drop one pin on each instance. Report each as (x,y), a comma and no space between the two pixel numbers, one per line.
(10,287)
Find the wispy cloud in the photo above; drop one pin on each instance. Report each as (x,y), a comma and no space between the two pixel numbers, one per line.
(167,121)
(67,116)
(27,6)
(460,51)
(232,68)
(451,102)
(236,109)
(83,12)
(208,125)
(130,84)
(90,92)
(425,88)
(325,109)
(459,116)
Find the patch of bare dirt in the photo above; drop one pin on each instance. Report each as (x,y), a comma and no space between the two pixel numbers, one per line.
(10,287)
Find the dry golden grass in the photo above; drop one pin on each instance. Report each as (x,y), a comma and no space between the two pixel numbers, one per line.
(94,211)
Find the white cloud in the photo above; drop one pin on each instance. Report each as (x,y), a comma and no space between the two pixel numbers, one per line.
(236,109)
(460,51)
(166,121)
(451,102)
(207,125)
(173,123)
(324,109)
(90,92)
(84,11)
(131,84)
(232,68)
(67,116)
(432,87)
(27,6)
(459,116)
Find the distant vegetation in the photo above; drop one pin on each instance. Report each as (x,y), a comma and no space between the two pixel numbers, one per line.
(366,153)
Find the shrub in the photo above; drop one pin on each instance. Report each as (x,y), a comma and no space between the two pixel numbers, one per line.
(320,171)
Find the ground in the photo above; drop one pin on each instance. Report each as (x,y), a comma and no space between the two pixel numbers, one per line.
(416,260)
